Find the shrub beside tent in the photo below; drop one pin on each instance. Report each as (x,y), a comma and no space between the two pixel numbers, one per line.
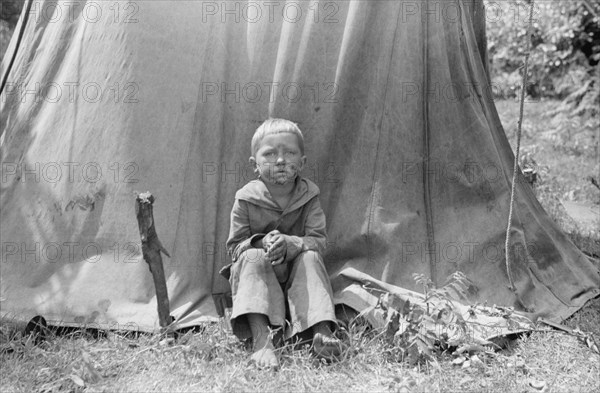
(401,132)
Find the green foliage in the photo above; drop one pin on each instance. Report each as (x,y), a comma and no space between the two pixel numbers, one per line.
(418,334)
(10,11)
(9,14)
(565,45)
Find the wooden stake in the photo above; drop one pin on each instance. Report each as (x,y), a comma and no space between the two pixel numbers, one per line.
(151,249)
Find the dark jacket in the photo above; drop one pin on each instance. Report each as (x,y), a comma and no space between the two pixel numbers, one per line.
(255,213)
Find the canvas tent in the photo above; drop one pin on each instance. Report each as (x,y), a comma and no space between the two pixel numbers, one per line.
(103,99)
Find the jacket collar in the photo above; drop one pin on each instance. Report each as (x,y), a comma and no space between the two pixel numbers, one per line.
(257,193)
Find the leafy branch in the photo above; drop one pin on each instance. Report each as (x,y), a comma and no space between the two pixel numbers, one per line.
(418,333)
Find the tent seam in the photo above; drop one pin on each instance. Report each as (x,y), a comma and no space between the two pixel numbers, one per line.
(374,177)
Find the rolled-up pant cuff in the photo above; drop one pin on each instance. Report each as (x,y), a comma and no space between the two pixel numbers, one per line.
(302,283)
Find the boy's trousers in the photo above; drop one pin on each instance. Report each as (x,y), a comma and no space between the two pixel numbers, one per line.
(301,287)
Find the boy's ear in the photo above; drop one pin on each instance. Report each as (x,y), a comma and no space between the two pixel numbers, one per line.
(302,162)
(254,165)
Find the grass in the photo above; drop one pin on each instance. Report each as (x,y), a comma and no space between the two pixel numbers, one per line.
(211,359)
(564,152)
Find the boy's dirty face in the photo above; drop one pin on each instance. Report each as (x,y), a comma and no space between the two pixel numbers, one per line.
(278,158)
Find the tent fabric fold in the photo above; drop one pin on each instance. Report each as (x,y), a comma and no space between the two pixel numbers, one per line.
(401,134)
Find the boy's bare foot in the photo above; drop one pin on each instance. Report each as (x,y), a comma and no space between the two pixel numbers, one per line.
(264,351)
(327,347)
(265,358)
(325,344)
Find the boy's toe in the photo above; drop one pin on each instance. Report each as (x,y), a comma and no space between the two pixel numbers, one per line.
(265,359)
(327,347)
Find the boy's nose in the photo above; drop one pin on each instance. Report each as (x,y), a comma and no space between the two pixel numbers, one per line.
(280,159)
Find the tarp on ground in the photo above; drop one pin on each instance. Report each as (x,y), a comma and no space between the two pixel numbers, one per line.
(101,100)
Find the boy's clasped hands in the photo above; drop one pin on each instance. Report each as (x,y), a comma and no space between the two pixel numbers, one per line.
(275,245)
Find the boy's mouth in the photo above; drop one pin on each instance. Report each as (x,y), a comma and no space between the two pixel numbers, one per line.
(282,176)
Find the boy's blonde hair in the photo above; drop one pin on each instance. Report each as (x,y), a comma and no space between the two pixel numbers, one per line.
(276,126)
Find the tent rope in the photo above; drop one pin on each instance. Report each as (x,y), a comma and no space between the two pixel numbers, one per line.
(516,163)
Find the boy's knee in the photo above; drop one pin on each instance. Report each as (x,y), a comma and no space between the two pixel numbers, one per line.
(253,258)
(310,256)
(252,255)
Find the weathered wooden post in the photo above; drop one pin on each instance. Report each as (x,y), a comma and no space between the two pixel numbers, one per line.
(151,249)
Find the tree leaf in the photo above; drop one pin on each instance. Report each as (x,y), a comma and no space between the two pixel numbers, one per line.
(77,380)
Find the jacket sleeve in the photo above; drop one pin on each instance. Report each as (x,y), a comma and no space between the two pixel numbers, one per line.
(240,238)
(315,234)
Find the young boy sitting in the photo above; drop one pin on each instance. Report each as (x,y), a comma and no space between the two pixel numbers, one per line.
(276,239)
